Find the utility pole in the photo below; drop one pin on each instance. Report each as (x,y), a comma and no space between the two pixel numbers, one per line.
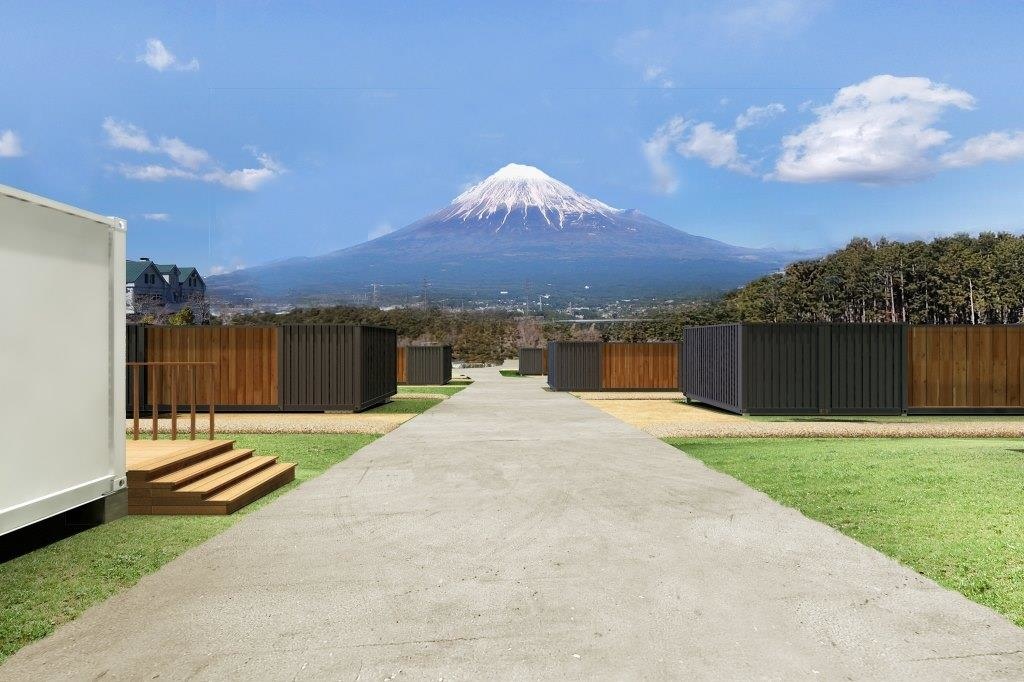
(376,295)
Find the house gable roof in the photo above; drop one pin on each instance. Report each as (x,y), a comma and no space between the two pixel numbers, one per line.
(133,269)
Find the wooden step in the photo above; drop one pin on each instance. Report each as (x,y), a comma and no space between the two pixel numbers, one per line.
(253,487)
(162,457)
(201,488)
(182,477)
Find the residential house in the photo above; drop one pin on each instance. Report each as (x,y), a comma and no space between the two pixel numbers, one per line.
(151,288)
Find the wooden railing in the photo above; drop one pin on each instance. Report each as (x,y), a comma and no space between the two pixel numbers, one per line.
(154,378)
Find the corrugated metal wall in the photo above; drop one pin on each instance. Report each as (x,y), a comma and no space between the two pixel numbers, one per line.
(331,367)
(713,364)
(533,361)
(378,375)
(866,369)
(797,368)
(428,365)
(780,368)
(574,366)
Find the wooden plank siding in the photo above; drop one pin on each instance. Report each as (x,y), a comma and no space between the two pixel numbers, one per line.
(246,356)
(640,366)
(971,367)
(401,365)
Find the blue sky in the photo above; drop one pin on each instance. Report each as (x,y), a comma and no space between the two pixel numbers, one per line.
(231,134)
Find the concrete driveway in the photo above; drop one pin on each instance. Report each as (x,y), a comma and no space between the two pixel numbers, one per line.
(520,534)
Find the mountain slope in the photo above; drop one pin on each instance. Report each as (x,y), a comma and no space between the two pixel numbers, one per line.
(517,226)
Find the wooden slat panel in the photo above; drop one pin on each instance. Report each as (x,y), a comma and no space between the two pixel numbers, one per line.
(246,357)
(1013,366)
(986,371)
(958,380)
(400,365)
(917,352)
(967,367)
(640,366)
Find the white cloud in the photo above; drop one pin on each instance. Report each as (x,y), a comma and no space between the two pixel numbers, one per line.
(189,163)
(658,75)
(775,17)
(756,115)
(126,136)
(379,231)
(718,148)
(224,269)
(247,179)
(155,173)
(157,217)
(692,140)
(183,154)
(10,144)
(121,135)
(656,151)
(997,146)
(877,131)
(158,57)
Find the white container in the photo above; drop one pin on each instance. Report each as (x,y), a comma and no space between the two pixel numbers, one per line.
(62,385)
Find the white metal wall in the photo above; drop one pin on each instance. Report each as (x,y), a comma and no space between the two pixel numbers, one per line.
(61,357)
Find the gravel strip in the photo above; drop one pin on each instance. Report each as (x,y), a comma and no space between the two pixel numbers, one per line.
(668,419)
(628,395)
(284,423)
(750,429)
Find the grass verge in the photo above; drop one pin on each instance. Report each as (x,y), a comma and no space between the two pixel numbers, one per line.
(55,584)
(410,406)
(511,373)
(448,389)
(948,508)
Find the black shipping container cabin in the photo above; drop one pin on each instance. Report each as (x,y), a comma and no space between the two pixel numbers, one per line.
(533,361)
(424,365)
(797,368)
(596,366)
(290,368)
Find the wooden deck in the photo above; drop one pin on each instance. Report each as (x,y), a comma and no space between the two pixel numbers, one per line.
(198,476)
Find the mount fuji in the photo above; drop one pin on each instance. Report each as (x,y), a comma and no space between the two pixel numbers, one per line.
(519,231)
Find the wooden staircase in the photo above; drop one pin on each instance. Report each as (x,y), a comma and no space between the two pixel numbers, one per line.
(199,476)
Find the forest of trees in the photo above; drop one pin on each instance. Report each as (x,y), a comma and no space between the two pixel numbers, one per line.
(951,280)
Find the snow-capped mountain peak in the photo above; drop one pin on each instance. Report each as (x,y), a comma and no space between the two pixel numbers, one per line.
(516,191)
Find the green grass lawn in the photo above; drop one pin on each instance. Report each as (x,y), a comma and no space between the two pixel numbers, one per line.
(405,406)
(448,389)
(511,373)
(949,508)
(50,586)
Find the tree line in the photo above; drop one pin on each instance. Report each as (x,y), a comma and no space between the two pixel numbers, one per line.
(958,279)
(950,280)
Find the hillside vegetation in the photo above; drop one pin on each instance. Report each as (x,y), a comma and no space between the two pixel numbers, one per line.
(951,280)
